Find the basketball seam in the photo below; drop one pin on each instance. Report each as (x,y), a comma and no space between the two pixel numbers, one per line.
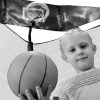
(22,74)
(44,72)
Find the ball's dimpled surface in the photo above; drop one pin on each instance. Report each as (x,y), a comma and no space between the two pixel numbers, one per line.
(30,69)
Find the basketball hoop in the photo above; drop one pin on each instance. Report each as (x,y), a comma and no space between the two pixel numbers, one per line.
(37,12)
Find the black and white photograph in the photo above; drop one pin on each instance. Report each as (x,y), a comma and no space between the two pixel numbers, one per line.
(49,50)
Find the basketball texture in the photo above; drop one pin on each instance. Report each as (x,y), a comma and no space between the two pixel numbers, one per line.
(30,69)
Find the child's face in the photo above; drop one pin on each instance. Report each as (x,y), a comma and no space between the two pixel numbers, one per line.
(79,51)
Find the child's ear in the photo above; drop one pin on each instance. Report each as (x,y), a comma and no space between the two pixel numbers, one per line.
(94,48)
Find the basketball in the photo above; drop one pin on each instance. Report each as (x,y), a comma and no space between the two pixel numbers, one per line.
(31,69)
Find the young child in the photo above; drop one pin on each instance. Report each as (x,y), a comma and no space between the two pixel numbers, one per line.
(78,49)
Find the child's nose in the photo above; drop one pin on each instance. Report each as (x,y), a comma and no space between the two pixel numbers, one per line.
(80,52)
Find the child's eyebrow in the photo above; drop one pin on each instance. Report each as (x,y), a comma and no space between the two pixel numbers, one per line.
(84,42)
(70,47)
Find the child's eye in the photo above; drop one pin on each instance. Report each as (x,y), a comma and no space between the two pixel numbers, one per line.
(83,46)
(72,50)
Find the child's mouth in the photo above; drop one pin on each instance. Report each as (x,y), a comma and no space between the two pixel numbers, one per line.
(82,58)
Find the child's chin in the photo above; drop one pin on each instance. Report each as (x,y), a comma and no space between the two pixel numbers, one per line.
(85,68)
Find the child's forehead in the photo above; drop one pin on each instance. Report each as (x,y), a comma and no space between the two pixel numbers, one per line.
(75,36)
